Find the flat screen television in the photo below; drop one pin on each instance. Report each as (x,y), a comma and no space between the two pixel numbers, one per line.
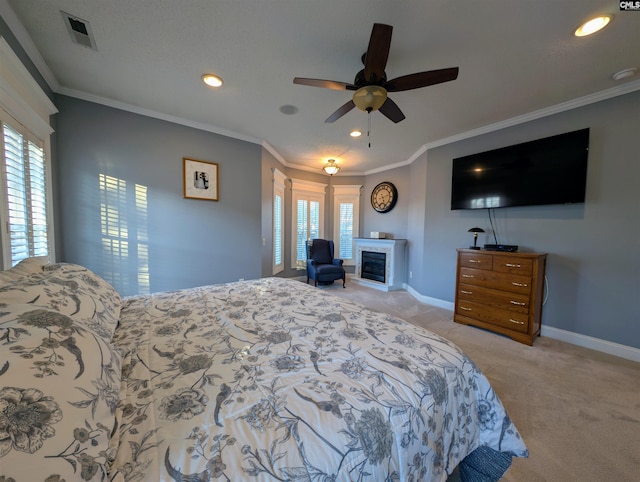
(552,170)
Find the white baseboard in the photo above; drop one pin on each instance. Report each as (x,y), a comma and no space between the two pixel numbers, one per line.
(447,305)
(604,346)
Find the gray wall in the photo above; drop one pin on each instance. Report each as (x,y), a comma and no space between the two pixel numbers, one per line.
(190,242)
(593,267)
(394,222)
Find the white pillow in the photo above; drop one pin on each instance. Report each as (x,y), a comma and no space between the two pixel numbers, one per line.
(72,290)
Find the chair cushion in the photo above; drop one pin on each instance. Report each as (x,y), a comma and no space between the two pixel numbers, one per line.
(329,269)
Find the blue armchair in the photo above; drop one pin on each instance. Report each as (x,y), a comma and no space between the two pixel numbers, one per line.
(322,267)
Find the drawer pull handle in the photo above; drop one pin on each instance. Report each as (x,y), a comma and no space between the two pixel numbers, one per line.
(512,265)
(467,276)
(519,303)
(516,322)
(464,308)
(524,285)
(474,261)
(465,292)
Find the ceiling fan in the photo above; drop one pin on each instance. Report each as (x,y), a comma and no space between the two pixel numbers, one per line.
(371,84)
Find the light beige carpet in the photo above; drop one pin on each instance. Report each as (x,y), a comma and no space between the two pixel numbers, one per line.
(578,410)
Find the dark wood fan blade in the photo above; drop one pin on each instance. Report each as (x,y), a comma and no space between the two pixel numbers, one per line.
(375,60)
(391,110)
(340,112)
(421,79)
(325,84)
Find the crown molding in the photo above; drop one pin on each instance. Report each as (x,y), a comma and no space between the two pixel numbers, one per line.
(156,115)
(514,121)
(539,114)
(268,147)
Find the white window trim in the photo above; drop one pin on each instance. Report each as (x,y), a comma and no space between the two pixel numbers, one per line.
(312,191)
(25,102)
(278,190)
(346,194)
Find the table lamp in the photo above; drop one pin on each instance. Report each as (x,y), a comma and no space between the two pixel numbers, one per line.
(475,232)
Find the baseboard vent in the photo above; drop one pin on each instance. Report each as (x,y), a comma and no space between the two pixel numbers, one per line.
(79,30)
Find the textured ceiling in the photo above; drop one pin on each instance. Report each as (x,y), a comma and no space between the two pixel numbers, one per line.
(515,58)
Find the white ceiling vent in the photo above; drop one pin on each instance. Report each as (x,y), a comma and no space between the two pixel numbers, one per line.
(80,30)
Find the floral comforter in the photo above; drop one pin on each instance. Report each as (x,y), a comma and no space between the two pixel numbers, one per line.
(274,380)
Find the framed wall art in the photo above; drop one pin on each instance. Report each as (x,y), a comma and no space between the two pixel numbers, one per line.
(200,179)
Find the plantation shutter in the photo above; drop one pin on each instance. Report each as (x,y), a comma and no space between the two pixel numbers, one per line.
(26,215)
(278,221)
(277,230)
(314,219)
(346,211)
(25,179)
(346,231)
(303,232)
(308,202)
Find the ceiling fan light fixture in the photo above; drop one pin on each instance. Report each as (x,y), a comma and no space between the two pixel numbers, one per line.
(212,80)
(355,133)
(331,167)
(593,25)
(370,97)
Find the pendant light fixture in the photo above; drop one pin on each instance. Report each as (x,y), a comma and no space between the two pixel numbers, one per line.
(331,167)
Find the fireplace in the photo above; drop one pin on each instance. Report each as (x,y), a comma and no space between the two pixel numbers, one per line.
(381,263)
(374,266)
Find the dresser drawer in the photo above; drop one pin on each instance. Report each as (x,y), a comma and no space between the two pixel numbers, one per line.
(514,265)
(495,316)
(496,280)
(478,261)
(495,298)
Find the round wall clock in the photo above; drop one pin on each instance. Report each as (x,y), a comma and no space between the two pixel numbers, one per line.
(384,197)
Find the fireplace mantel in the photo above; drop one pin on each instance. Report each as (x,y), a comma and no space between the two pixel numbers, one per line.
(396,261)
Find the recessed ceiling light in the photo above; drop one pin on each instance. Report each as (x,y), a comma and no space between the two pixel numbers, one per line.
(212,80)
(355,133)
(593,25)
(623,74)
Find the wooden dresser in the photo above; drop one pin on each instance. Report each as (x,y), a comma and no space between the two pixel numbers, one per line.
(501,292)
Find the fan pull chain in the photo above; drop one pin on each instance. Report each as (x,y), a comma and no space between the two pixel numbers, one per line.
(369,128)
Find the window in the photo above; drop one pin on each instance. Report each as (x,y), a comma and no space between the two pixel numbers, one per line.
(278,221)
(308,218)
(25,173)
(346,203)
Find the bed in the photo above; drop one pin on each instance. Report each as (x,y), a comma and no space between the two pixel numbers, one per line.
(261,380)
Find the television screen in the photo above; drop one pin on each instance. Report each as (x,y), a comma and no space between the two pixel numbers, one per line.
(552,170)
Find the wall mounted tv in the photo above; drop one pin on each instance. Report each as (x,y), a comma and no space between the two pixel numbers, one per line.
(552,170)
